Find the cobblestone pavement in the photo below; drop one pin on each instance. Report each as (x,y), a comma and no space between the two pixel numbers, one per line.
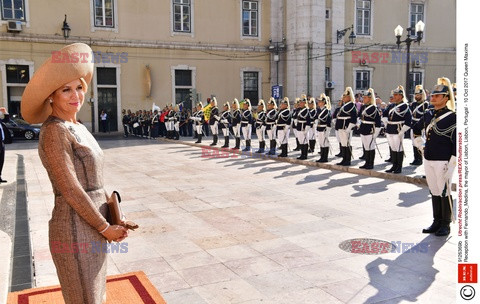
(255,230)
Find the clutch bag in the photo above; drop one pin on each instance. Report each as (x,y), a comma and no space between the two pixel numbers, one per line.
(115,215)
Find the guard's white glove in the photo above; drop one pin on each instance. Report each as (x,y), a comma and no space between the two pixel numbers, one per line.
(307,128)
(384,120)
(376,132)
(350,127)
(419,143)
(224,121)
(295,121)
(171,118)
(452,163)
(359,122)
(404,129)
(217,117)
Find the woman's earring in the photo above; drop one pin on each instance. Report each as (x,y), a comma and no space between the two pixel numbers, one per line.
(50,100)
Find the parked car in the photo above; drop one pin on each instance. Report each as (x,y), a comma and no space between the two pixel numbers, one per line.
(20,128)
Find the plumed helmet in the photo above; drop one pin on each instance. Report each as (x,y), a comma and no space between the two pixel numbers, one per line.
(227,104)
(311,101)
(214,100)
(286,101)
(200,104)
(247,101)
(261,103)
(370,93)
(349,92)
(272,102)
(303,97)
(419,90)
(400,90)
(235,102)
(445,87)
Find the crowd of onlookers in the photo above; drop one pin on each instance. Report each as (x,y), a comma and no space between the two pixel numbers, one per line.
(148,124)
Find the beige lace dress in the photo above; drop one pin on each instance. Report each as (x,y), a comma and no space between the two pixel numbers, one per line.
(74,163)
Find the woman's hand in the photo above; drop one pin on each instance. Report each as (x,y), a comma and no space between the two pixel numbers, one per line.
(115,233)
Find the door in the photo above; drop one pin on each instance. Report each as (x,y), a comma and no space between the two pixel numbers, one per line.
(107,101)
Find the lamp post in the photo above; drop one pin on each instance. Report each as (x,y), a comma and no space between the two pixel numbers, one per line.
(66,28)
(351,37)
(419,28)
(276,48)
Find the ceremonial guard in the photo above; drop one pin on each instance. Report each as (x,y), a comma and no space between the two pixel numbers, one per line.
(294,124)
(334,117)
(247,122)
(213,120)
(236,122)
(346,119)
(439,152)
(176,123)
(169,122)
(155,124)
(324,120)
(399,120)
(225,122)
(303,122)
(370,124)
(390,106)
(312,106)
(418,107)
(282,127)
(260,126)
(199,119)
(270,121)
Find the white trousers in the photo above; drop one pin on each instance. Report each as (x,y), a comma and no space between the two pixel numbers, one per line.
(344,137)
(260,133)
(177,126)
(283,135)
(312,133)
(247,132)
(226,132)
(434,171)
(214,128)
(272,133)
(199,129)
(395,141)
(368,142)
(295,132)
(303,136)
(236,131)
(322,138)
(169,125)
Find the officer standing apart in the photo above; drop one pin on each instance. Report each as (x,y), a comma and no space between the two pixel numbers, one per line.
(236,122)
(399,119)
(213,121)
(418,107)
(346,120)
(439,153)
(370,123)
(303,126)
(324,120)
(284,120)
(225,121)
(270,119)
(260,126)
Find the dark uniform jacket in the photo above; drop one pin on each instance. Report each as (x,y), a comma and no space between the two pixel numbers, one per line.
(260,121)
(324,119)
(398,115)
(284,119)
(236,117)
(247,118)
(313,116)
(346,115)
(225,115)
(213,116)
(303,118)
(441,130)
(270,118)
(370,119)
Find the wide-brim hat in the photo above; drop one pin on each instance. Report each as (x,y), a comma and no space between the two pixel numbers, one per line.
(72,62)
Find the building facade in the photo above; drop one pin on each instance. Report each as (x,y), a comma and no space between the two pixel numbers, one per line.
(159,52)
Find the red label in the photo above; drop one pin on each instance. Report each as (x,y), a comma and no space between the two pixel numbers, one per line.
(467,273)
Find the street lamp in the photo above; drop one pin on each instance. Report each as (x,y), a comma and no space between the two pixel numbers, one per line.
(276,48)
(419,28)
(342,33)
(66,29)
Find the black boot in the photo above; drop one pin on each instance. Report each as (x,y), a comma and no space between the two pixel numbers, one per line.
(390,160)
(398,170)
(261,148)
(304,152)
(417,161)
(348,156)
(283,147)
(297,148)
(237,143)
(340,154)
(273,147)
(323,155)
(394,163)
(247,145)
(446,217)
(364,156)
(372,160)
(227,139)
(437,215)
(215,139)
(199,139)
(311,143)
(177,135)
(195,135)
